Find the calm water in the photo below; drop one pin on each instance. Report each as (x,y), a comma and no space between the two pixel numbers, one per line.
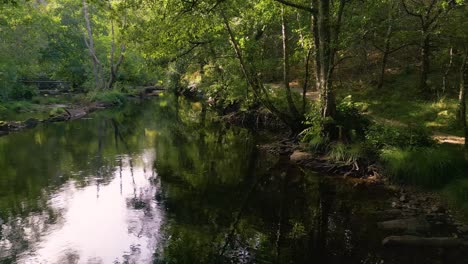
(158,182)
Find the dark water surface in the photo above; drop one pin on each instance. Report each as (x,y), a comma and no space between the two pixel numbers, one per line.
(157,182)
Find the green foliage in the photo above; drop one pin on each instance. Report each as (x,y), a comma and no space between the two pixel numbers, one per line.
(23,92)
(424,166)
(347,153)
(457,194)
(313,134)
(278,98)
(350,119)
(57,111)
(381,136)
(113,97)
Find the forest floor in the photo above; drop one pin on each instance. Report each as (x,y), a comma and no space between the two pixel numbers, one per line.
(397,109)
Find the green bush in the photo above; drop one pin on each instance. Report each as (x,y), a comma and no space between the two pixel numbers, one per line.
(313,135)
(278,99)
(393,136)
(58,111)
(114,97)
(350,120)
(22,92)
(347,153)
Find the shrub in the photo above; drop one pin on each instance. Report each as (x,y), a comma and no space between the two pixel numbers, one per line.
(23,92)
(111,97)
(313,134)
(350,120)
(392,136)
(58,111)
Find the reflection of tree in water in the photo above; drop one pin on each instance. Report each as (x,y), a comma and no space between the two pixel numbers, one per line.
(224,205)
(37,163)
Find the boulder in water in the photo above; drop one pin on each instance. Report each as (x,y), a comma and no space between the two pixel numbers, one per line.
(300,156)
(409,225)
(416,241)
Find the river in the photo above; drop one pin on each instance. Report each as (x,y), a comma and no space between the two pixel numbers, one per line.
(160,182)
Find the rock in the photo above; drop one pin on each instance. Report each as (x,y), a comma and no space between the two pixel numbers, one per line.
(403,198)
(438,242)
(300,156)
(423,199)
(396,205)
(438,209)
(31,122)
(463,229)
(409,225)
(390,214)
(76,113)
(3,126)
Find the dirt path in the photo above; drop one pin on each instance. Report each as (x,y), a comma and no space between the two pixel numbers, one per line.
(447,138)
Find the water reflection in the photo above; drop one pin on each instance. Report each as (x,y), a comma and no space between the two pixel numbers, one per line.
(163,182)
(80,192)
(100,221)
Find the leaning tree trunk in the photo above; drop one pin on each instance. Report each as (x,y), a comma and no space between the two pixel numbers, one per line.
(90,44)
(114,67)
(256,84)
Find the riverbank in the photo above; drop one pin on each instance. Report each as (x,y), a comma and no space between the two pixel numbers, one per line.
(413,218)
(64,107)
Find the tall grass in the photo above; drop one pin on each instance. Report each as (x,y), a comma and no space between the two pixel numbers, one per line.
(347,154)
(430,167)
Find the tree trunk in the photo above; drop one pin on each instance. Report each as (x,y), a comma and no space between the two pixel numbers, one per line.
(386,52)
(315,33)
(424,71)
(306,80)
(286,78)
(256,84)
(114,67)
(462,99)
(326,94)
(90,44)
(447,71)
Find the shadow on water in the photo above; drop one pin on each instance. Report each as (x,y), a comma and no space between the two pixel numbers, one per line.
(161,182)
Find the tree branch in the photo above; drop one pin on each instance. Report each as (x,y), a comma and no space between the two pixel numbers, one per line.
(409,12)
(298,6)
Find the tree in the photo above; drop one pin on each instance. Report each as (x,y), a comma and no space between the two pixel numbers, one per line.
(428,14)
(326,32)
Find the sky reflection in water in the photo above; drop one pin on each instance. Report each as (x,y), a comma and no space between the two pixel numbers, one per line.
(100,220)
